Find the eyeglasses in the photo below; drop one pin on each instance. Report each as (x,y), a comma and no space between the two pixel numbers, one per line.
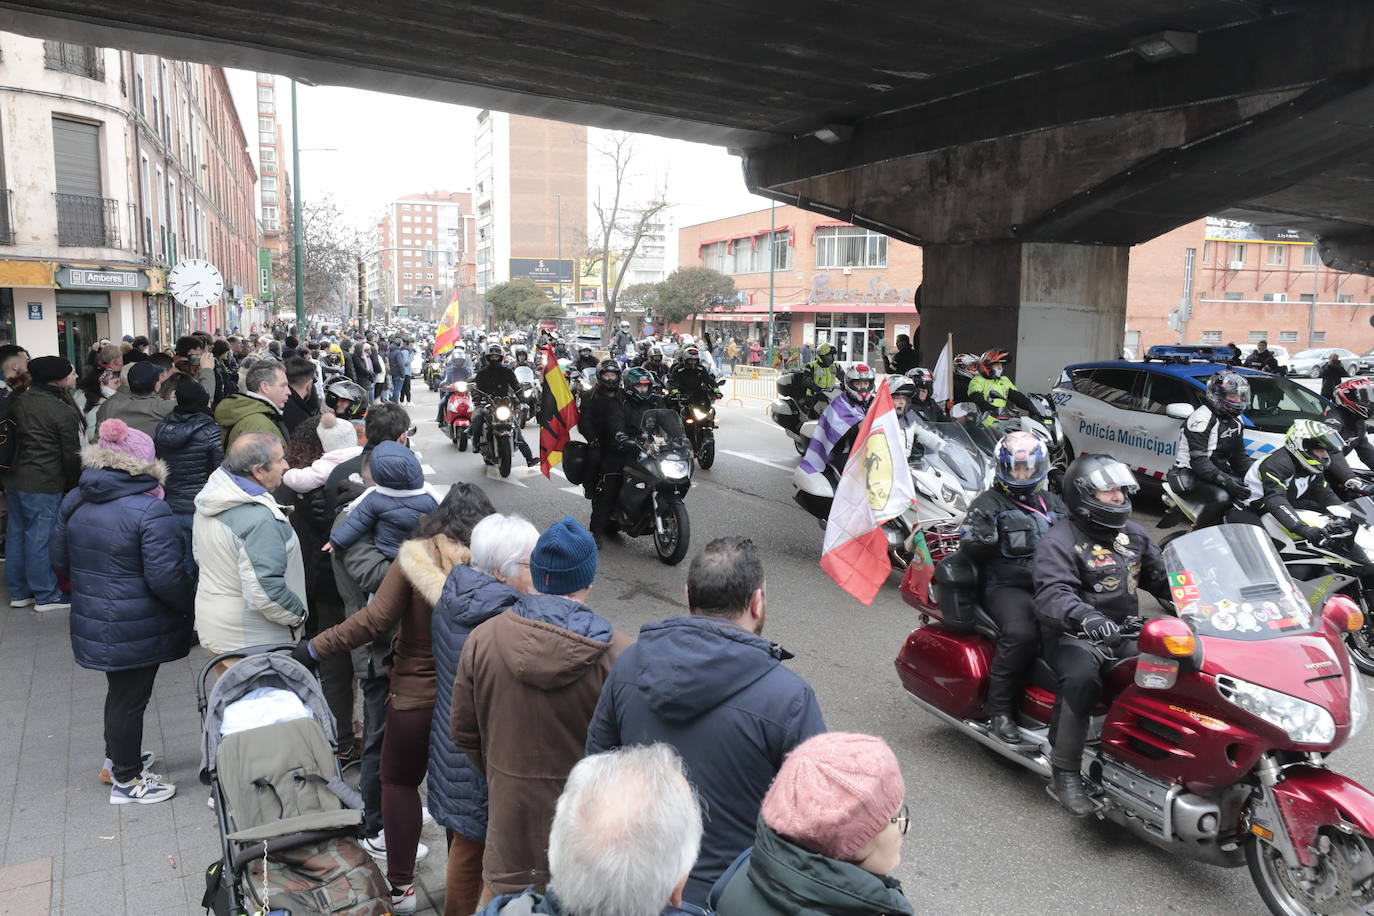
(903,820)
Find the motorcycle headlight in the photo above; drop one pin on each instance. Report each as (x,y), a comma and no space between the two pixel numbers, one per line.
(461,387)
(503,412)
(673,468)
(1304,722)
(699,413)
(952,496)
(1359,705)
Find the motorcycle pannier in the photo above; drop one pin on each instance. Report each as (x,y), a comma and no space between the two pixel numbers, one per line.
(956,590)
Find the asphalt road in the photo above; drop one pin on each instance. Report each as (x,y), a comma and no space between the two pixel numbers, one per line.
(985,837)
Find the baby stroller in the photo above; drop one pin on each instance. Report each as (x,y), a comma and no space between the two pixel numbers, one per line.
(287,821)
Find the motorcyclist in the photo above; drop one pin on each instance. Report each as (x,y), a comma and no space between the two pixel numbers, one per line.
(820,375)
(496,379)
(604,423)
(1353,399)
(965,370)
(344,397)
(923,401)
(839,424)
(1295,477)
(1000,533)
(459,369)
(521,356)
(641,354)
(622,344)
(642,393)
(1086,571)
(653,361)
(992,391)
(689,379)
(1212,462)
(585,359)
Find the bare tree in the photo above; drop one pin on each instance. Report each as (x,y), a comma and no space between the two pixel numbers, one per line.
(622,221)
(331,249)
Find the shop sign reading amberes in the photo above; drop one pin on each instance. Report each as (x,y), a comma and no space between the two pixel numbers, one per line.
(88,278)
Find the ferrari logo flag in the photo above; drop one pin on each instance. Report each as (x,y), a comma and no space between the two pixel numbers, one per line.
(875,488)
(448,332)
(557,414)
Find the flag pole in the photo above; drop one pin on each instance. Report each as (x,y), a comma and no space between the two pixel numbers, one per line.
(949,369)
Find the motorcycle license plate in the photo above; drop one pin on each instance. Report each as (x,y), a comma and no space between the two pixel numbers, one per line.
(1155,673)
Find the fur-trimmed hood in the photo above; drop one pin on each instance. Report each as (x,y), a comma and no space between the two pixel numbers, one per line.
(427,562)
(98,456)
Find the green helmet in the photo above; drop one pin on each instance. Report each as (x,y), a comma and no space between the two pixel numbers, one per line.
(825,354)
(639,383)
(1308,436)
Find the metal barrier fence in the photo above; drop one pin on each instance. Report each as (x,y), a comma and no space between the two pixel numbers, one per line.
(754,382)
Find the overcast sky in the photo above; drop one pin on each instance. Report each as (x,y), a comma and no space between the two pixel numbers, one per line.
(384,146)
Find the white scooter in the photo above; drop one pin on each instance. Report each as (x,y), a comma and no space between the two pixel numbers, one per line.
(786,409)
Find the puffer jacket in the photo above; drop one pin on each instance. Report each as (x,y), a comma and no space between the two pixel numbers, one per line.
(191,445)
(252,577)
(779,878)
(247,413)
(389,512)
(527,683)
(123,552)
(457,792)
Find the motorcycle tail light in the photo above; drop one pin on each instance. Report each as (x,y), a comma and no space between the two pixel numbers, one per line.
(1168,637)
(1180,645)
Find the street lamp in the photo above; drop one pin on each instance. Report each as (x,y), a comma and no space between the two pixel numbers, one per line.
(297,233)
(559,198)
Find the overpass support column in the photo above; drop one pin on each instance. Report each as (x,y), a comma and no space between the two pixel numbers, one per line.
(1049,304)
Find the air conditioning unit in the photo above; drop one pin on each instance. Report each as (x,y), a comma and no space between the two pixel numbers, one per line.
(848,271)
(1237,265)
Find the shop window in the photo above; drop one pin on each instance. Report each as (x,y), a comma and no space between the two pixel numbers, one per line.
(6,315)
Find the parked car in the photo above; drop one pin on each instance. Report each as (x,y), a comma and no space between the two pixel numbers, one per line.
(1367,362)
(1135,411)
(1311,362)
(1280,354)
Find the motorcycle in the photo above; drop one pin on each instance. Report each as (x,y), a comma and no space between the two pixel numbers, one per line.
(655,484)
(498,431)
(1212,742)
(987,430)
(699,418)
(434,371)
(458,413)
(788,409)
(948,471)
(529,394)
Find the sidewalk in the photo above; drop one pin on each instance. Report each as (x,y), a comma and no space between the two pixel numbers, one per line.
(64,849)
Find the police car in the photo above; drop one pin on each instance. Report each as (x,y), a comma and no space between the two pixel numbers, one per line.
(1135,411)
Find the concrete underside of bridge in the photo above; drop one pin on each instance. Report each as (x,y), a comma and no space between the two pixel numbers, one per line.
(990,132)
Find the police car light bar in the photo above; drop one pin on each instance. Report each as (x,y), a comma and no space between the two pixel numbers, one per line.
(1167,353)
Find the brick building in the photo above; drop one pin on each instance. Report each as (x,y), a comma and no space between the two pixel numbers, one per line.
(1210,281)
(422,254)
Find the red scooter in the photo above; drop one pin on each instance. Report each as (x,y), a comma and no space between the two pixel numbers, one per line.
(1210,743)
(458,413)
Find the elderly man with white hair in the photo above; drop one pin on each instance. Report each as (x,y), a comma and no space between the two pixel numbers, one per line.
(497,575)
(624,837)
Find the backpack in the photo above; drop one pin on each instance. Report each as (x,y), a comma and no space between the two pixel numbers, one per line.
(9,431)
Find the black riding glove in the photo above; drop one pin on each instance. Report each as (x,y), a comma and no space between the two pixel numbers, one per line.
(1236,488)
(1100,629)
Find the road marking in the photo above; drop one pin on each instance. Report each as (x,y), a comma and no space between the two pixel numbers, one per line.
(757,460)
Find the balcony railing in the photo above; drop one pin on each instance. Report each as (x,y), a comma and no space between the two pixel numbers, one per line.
(82,60)
(6,224)
(86,222)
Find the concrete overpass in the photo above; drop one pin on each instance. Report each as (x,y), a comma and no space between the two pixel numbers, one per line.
(1027,146)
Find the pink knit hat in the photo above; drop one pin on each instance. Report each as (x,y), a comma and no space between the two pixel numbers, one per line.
(116,436)
(835,793)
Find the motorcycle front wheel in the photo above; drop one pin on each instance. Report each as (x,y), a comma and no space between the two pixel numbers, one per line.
(1289,892)
(671,542)
(503,455)
(1360,643)
(706,455)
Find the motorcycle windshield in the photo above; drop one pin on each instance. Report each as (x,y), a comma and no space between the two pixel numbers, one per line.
(663,427)
(959,456)
(1228,582)
(524,375)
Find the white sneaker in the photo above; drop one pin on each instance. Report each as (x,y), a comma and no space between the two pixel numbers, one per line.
(57,606)
(403,899)
(21,602)
(148,789)
(375,846)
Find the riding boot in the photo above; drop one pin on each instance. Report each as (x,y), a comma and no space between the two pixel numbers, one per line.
(1001,692)
(1070,791)
(1002,726)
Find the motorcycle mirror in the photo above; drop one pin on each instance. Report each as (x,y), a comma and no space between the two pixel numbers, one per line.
(1179,411)
(1166,645)
(1343,613)
(963,410)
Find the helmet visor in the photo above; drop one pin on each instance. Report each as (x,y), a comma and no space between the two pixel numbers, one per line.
(1110,476)
(1331,441)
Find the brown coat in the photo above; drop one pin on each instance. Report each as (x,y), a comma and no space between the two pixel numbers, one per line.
(528,681)
(407,597)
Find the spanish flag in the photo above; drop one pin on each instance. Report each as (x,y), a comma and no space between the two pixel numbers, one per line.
(448,332)
(557,414)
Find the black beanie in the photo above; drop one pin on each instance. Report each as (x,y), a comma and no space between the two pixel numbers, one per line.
(190,396)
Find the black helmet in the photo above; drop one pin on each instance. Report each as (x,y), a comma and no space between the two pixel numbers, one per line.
(1228,394)
(1089,475)
(608,366)
(495,355)
(343,388)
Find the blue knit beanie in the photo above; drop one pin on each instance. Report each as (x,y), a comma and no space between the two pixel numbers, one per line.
(564,558)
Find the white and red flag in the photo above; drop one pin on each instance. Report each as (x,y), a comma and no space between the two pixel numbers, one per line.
(875,488)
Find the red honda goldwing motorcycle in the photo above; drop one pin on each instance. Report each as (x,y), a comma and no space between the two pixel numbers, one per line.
(458,413)
(1210,743)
